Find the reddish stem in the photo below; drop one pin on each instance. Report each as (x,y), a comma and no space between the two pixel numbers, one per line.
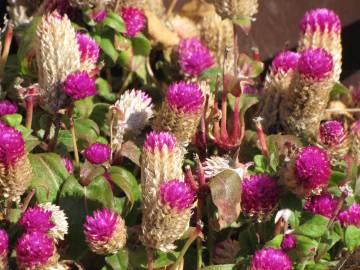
(189,178)
(6,49)
(150,254)
(29,111)
(235,131)
(261,137)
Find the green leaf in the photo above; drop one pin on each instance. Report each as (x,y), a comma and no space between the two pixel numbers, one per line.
(340,89)
(352,237)
(31,142)
(107,45)
(244,23)
(49,175)
(115,22)
(315,227)
(84,107)
(99,115)
(99,193)
(65,140)
(118,261)
(13,120)
(138,258)
(141,45)
(104,90)
(337,177)
(249,67)
(260,163)
(275,242)
(86,130)
(126,181)
(305,246)
(225,191)
(220,267)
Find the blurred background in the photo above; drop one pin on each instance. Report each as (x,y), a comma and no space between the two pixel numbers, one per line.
(276,26)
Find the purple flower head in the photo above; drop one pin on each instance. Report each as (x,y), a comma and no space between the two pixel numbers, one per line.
(185,97)
(89,50)
(285,61)
(4,241)
(12,145)
(260,195)
(194,57)
(332,133)
(288,243)
(350,216)
(79,85)
(68,165)
(157,141)
(270,259)
(101,226)
(322,20)
(315,64)
(37,219)
(98,153)
(2,125)
(99,15)
(312,168)
(178,195)
(323,204)
(134,20)
(34,249)
(7,107)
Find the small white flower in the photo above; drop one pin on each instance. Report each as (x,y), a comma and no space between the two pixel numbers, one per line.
(284,214)
(60,220)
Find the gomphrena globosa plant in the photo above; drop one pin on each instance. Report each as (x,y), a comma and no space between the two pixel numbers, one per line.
(305,104)
(15,167)
(321,28)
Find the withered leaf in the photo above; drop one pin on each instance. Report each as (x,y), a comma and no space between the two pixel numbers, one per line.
(131,151)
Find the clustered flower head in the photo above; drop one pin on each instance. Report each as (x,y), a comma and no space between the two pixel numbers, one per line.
(320,20)
(37,219)
(270,259)
(288,243)
(89,52)
(332,133)
(312,169)
(98,153)
(260,196)
(105,232)
(58,218)
(350,216)
(4,245)
(34,250)
(99,15)
(315,64)
(79,85)
(134,20)
(194,57)
(12,146)
(285,62)
(159,141)
(176,194)
(7,107)
(323,204)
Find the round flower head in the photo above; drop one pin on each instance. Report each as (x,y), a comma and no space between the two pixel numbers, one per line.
(134,20)
(89,50)
(312,168)
(315,64)
(4,242)
(285,61)
(350,216)
(270,259)
(12,146)
(185,97)
(158,141)
(34,250)
(194,57)
(79,85)
(98,153)
(323,204)
(105,232)
(7,107)
(59,219)
(37,219)
(288,243)
(68,165)
(176,194)
(332,133)
(260,196)
(322,20)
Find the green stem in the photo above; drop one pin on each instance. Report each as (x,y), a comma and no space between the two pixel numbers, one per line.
(73,136)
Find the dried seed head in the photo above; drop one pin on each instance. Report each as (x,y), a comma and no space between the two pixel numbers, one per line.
(233,9)
(270,259)
(57,55)
(105,232)
(183,26)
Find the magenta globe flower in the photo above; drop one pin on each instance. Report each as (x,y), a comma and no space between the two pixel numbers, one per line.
(37,219)
(12,146)
(159,141)
(134,20)
(194,57)
(79,85)
(89,50)
(312,169)
(7,107)
(260,196)
(99,15)
(177,195)
(323,204)
(332,133)
(68,165)
(98,153)
(105,232)
(350,216)
(285,61)
(315,64)
(34,250)
(288,243)
(4,242)
(270,259)
(322,20)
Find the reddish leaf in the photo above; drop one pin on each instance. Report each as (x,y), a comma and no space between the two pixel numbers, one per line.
(131,151)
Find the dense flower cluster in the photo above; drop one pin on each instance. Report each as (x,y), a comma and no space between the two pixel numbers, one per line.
(98,153)
(270,259)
